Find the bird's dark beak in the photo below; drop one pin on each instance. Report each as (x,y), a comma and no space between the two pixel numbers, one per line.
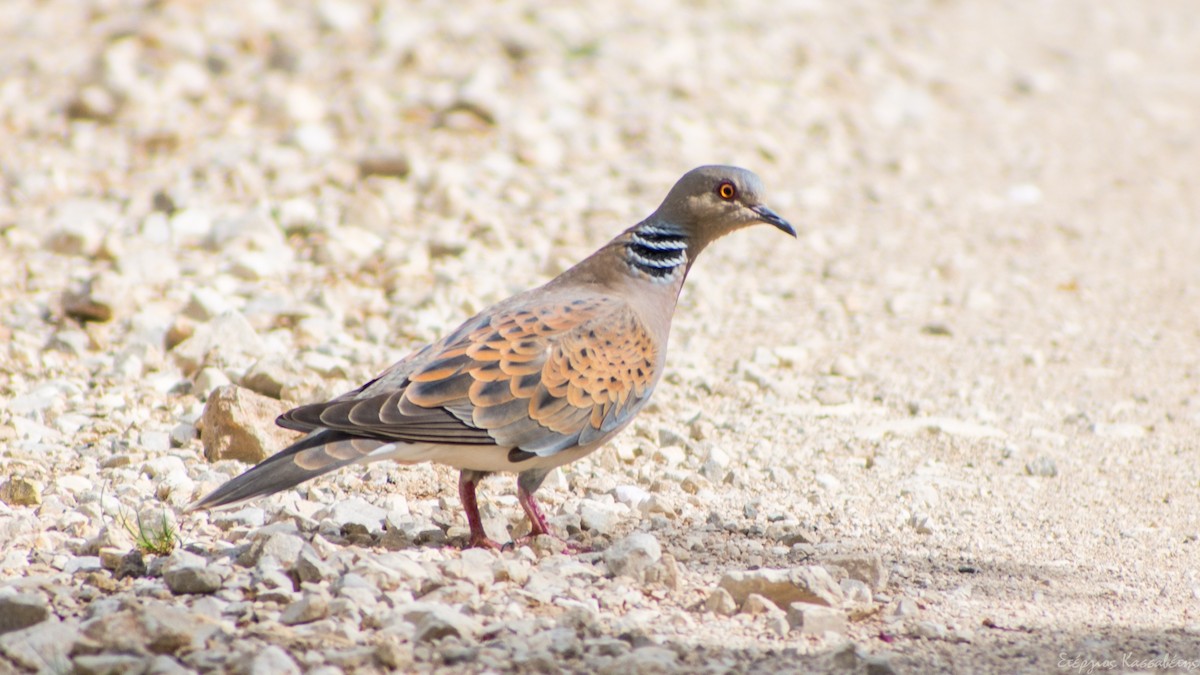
(770,217)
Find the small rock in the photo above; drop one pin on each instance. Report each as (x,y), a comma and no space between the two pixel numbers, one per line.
(357,511)
(393,655)
(632,556)
(656,504)
(162,466)
(182,434)
(315,139)
(311,607)
(606,646)
(298,215)
(39,647)
(845,366)
(274,585)
(165,665)
(922,523)
(1120,430)
(563,642)
(880,664)
(82,306)
(905,607)
(815,619)
(20,492)
(324,365)
(666,572)
(247,516)
(183,558)
(240,424)
(856,592)
(867,568)
(73,483)
(1024,194)
(93,102)
(668,438)
(209,379)
(828,482)
(22,610)
(694,483)
(473,565)
(176,489)
(364,591)
(155,441)
(600,517)
(630,495)
(228,340)
(272,661)
(192,580)
(516,571)
(716,464)
(405,534)
(110,557)
(809,583)
(645,660)
(78,226)
(778,624)
(671,455)
(388,165)
(721,603)
(205,304)
(1042,466)
(107,664)
(83,563)
(791,356)
(278,541)
(581,621)
(115,462)
(436,621)
(756,375)
(270,375)
(154,627)
(929,630)
(832,391)
(310,568)
(103,582)
(757,604)
(75,342)
(132,565)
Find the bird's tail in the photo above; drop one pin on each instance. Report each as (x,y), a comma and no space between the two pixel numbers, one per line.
(318,453)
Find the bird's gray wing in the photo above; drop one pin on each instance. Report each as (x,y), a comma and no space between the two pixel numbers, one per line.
(537,377)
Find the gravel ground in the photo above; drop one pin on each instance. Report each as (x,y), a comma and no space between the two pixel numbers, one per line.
(953,428)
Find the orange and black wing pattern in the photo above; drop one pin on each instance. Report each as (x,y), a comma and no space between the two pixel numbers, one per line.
(537,378)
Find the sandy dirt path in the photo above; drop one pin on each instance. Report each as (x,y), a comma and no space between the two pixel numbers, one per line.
(980,362)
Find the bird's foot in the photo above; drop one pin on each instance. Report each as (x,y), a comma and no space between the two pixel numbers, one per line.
(537,521)
(483,541)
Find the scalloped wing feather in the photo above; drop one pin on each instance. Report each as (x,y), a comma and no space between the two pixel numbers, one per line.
(541,379)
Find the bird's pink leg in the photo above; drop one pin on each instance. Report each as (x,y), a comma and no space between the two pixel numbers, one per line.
(537,523)
(537,520)
(467,480)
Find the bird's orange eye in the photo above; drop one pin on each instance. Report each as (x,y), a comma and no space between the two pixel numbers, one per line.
(726,191)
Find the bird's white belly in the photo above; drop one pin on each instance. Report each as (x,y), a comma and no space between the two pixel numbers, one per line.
(489,458)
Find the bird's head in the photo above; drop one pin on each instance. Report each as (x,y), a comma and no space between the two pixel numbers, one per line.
(712,201)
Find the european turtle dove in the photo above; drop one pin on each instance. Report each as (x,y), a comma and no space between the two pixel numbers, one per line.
(535,381)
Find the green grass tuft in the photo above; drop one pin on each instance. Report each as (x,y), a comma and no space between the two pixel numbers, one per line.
(157,538)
